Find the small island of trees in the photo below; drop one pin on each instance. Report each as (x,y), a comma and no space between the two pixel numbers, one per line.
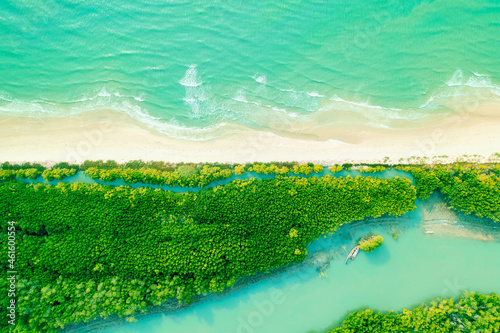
(371,242)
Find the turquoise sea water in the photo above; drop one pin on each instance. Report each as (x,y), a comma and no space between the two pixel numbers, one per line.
(188,66)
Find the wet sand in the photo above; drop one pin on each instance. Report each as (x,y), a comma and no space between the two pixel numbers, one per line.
(116,136)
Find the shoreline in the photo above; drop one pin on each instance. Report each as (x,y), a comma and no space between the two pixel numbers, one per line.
(116,136)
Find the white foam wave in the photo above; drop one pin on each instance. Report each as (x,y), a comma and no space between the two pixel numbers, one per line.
(102,101)
(285,111)
(24,108)
(475,80)
(260,78)
(308,101)
(104,93)
(336,98)
(456,78)
(84,99)
(191,78)
(4,96)
(240,96)
(427,103)
(474,88)
(172,128)
(315,94)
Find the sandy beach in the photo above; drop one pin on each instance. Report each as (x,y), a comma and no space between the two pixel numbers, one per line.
(112,135)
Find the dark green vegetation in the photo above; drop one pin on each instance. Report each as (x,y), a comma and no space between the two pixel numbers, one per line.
(157,173)
(468,188)
(185,175)
(27,170)
(92,250)
(370,243)
(371,169)
(192,175)
(86,251)
(472,312)
(32,171)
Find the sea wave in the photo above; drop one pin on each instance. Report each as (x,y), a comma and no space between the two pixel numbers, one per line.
(259,78)
(107,100)
(460,93)
(378,115)
(191,78)
(261,106)
(475,80)
(463,92)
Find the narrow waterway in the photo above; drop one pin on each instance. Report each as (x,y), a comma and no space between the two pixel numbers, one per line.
(83,178)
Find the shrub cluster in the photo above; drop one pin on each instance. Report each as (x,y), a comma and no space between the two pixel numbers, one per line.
(184,175)
(466,187)
(32,171)
(20,173)
(336,168)
(372,169)
(368,244)
(27,165)
(472,312)
(58,173)
(190,175)
(27,170)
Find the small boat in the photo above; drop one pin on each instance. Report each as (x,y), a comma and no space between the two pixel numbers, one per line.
(352,255)
(354,252)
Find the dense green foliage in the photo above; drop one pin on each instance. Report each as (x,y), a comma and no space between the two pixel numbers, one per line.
(473,312)
(91,250)
(32,171)
(184,175)
(52,174)
(20,173)
(336,168)
(190,175)
(372,169)
(467,188)
(27,165)
(27,170)
(138,164)
(368,244)
(272,168)
(58,173)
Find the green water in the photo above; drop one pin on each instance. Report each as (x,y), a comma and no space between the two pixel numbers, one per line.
(402,273)
(188,67)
